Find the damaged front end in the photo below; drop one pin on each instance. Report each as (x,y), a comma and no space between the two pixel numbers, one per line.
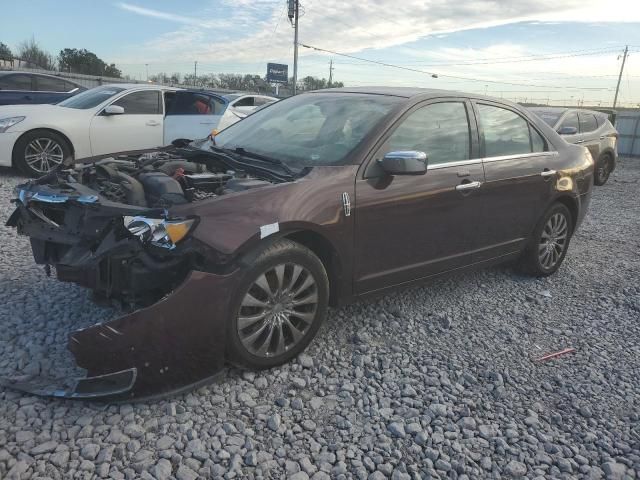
(138,254)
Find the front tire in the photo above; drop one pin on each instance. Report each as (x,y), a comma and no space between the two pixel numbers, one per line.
(549,243)
(279,306)
(603,170)
(37,152)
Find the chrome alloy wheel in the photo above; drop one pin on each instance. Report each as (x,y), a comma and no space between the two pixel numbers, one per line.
(277,310)
(553,240)
(42,154)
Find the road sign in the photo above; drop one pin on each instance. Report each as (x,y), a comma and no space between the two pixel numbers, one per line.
(277,73)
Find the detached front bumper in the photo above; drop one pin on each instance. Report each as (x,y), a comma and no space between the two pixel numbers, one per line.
(173,345)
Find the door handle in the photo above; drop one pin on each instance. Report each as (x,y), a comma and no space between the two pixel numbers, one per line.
(468,186)
(602,137)
(579,141)
(153,123)
(546,173)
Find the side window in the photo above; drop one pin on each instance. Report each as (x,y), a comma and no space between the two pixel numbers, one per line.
(588,123)
(140,103)
(245,102)
(505,132)
(16,82)
(571,120)
(440,130)
(46,84)
(538,143)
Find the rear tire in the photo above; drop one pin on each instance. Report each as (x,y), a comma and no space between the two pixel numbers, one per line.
(278,307)
(37,152)
(549,243)
(603,170)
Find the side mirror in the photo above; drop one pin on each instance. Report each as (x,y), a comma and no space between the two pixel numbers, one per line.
(113,110)
(568,131)
(404,163)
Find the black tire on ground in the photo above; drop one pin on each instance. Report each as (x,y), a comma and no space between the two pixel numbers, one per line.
(549,242)
(52,145)
(603,169)
(293,275)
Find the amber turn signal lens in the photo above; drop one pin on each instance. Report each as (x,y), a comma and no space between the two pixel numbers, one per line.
(178,230)
(214,132)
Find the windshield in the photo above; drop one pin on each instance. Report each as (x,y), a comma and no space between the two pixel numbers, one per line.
(309,130)
(550,117)
(91,98)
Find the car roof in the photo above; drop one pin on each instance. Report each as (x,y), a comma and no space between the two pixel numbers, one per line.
(22,72)
(410,92)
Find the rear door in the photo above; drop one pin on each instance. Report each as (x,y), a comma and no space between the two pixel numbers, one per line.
(140,126)
(519,172)
(411,227)
(191,115)
(590,133)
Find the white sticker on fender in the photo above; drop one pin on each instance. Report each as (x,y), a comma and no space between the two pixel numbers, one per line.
(266,230)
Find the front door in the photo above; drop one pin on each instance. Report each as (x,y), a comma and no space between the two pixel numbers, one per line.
(519,178)
(191,115)
(410,227)
(139,127)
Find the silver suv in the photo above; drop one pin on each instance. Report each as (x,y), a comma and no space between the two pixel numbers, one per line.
(588,128)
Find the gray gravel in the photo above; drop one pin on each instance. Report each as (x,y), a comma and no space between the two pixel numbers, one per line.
(432,382)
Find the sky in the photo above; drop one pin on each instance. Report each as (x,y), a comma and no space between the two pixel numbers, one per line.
(538,51)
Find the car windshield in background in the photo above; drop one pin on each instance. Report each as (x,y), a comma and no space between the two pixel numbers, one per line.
(91,98)
(549,117)
(309,130)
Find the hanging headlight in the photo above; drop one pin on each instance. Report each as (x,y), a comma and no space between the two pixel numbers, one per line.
(159,232)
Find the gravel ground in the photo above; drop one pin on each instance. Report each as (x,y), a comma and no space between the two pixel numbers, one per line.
(432,382)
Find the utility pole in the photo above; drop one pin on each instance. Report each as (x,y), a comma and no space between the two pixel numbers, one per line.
(294,7)
(330,72)
(147,67)
(195,72)
(624,59)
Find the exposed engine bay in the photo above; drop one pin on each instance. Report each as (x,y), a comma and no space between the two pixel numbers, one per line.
(161,179)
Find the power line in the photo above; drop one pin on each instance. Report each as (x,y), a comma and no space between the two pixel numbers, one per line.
(505,60)
(436,75)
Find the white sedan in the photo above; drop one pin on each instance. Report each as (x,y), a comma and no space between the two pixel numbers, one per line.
(109,119)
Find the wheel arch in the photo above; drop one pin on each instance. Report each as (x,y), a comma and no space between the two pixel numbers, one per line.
(45,129)
(328,255)
(572,204)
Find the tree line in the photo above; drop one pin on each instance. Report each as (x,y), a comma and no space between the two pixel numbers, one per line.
(72,60)
(236,81)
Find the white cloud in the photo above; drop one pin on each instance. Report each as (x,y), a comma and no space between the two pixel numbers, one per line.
(243,30)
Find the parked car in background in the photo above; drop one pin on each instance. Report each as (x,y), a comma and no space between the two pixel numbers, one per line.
(589,128)
(107,119)
(28,88)
(236,244)
(241,105)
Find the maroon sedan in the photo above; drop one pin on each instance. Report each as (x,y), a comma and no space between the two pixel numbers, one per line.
(231,248)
